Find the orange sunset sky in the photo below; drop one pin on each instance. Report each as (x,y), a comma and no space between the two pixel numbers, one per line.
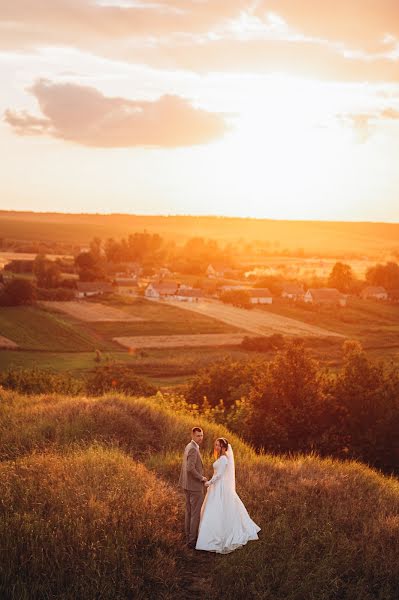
(265,108)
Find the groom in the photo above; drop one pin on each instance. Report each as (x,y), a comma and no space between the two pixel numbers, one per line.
(192,481)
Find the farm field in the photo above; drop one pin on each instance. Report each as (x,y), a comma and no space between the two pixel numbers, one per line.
(6,257)
(334,238)
(33,328)
(7,344)
(374,324)
(93,311)
(174,341)
(53,340)
(256,321)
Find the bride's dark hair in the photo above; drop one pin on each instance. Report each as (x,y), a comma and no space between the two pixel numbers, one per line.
(223,443)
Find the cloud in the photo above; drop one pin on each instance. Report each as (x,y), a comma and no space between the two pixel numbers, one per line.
(83,115)
(336,39)
(362,24)
(364,124)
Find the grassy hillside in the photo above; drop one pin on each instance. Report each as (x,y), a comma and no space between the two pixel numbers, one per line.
(89,507)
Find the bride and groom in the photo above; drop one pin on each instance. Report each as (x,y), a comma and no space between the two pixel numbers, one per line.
(220,522)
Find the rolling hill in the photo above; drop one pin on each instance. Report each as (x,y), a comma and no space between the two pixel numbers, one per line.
(90,508)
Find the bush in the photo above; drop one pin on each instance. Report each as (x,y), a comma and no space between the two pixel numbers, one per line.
(118,377)
(61,294)
(240,298)
(226,380)
(18,292)
(39,381)
(263,343)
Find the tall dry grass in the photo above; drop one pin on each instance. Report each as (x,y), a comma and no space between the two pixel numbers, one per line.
(330,530)
(88,524)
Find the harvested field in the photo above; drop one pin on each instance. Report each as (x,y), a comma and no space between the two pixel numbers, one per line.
(6,344)
(175,341)
(91,311)
(255,321)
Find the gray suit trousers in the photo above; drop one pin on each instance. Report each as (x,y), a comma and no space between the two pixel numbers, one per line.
(194,502)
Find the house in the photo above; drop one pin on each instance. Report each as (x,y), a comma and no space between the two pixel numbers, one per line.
(164,272)
(325,296)
(161,290)
(93,288)
(127,286)
(260,296)
(292,291)
(217,270)
(20,265)
(374,292)
(231,288)
(188,295)
(130,269)
(393,296)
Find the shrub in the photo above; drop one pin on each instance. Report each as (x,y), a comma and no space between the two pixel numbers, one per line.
(61,294)
(118,377)
(226,380)
(263,343)
(18,292)
(39,381)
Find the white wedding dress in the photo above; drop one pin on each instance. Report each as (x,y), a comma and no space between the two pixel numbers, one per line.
(225,523)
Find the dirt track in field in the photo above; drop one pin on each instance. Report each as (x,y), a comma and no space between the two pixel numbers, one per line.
(91,311)
(255,321)
(6,344)
(176,341)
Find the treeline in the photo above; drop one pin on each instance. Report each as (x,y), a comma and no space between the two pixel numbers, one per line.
(149,251)
(291,405)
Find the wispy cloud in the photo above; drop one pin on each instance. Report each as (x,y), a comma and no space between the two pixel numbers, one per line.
(336,39)
(365,123)
(83,115)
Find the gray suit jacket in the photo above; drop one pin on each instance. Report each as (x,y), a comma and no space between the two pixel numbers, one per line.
(192,469)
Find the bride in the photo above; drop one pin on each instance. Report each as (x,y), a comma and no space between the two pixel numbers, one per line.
(225,523)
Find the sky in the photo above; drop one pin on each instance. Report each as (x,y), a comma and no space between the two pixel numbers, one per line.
(285,109)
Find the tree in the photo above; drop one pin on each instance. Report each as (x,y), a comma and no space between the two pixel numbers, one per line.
(90,266)
(290,408)
(386,276)
(48,273)
(239,298)
(226,380)
(369,393)
(18,292)
(341,277)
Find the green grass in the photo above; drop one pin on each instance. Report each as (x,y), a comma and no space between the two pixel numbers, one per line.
(33,328)
(80,517)
(375,324)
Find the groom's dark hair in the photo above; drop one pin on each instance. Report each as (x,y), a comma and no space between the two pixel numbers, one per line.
(195,429)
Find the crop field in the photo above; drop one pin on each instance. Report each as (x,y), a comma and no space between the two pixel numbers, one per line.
(255,321)
(174,341)
(32,328)
(7,344)
(91,312)
(375,324)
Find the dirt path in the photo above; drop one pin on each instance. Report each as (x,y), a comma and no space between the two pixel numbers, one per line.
(255,321)
(197,578)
